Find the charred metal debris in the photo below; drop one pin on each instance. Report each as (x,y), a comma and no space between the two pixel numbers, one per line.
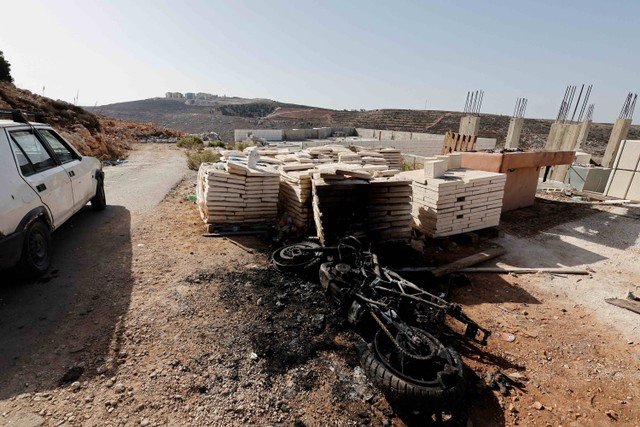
(403,325)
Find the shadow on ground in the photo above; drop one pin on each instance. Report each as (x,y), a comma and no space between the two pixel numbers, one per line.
(60,328)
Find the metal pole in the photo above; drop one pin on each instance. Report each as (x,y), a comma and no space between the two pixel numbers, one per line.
(573,116)
(633,106)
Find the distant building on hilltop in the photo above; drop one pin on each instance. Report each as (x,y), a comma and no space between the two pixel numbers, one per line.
(174,95)
(205,96)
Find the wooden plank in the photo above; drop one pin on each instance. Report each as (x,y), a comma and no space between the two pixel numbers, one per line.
(468,261)
(631,305)
(523,270)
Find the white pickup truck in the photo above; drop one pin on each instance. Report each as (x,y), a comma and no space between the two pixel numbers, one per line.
(44,180)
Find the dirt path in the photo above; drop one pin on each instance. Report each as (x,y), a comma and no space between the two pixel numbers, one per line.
(162,326)
(48,327)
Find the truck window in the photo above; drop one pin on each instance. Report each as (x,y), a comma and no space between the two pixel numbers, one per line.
(64,154)
(27,146)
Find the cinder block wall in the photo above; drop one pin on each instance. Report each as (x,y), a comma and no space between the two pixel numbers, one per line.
(268,134)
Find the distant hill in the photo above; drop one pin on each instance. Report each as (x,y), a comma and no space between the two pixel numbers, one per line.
(225,115)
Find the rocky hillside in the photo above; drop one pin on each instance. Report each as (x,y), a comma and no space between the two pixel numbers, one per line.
(216,118)
(222,118)
(92,135)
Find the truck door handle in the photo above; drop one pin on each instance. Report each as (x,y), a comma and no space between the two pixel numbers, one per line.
(72,173)
(41,188)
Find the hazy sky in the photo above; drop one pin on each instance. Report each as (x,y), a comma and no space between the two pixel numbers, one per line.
(337,54)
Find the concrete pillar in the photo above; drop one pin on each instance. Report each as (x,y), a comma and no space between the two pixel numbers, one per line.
(567,143)
(469,125)
(583,134)
(556,135)
(618,133)
(570,137)
(513,135)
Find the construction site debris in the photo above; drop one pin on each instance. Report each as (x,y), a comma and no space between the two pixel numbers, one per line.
(459,265)
(632,303)
(522,270)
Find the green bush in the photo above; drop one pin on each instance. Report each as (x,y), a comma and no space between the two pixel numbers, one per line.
(406,166)
(255,109)
(5,69)
(196,158)
(217,144)
(190,142)
(240,146)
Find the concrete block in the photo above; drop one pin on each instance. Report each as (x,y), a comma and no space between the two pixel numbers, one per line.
(597,180)
(486,143)
(434,169)
(582,158)
(634,188)
(588,178)
(629,155)
(619,183)
(455,161)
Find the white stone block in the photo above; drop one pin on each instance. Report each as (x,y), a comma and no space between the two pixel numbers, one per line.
(434,169)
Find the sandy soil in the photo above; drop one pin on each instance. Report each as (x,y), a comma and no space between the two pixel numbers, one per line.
(172,328)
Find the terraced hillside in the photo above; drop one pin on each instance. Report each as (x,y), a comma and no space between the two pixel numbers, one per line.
(197,119)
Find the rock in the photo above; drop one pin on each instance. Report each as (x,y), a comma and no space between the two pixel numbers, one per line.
(119,388)
(101,369)
(317,324)
(75,386)
(537,405)
(145,422)
(72,374)
(24,419)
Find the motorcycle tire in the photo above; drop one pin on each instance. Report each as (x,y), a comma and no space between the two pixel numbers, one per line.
(403,390)
(292,259)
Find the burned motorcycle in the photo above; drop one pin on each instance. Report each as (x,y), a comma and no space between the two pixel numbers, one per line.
(399,321)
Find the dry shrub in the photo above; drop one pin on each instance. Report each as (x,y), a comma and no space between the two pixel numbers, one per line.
(196,158)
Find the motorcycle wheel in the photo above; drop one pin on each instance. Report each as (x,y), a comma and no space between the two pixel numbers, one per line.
(296,257)
(435,383)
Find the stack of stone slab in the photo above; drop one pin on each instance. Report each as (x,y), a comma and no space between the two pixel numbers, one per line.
(393,157)
(231,193)
(295,197)
(388,157)
(372,158)
(456,201)
(351,202)
(296,181)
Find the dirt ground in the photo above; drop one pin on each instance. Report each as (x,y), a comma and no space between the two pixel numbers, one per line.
(173,328)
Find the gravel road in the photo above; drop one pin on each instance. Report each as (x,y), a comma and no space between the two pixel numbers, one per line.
(141,183)
(90,278)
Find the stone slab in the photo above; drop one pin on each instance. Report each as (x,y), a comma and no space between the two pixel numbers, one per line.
(619,183)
